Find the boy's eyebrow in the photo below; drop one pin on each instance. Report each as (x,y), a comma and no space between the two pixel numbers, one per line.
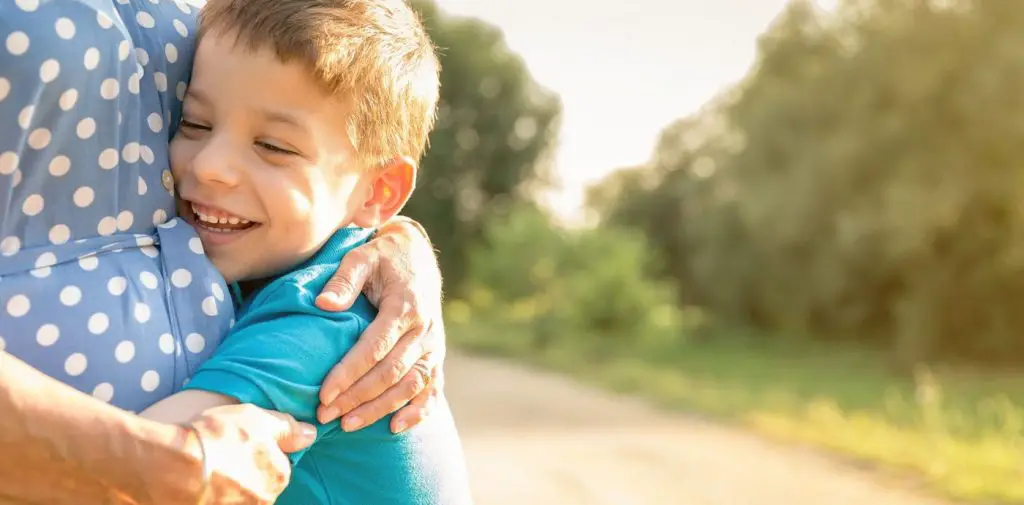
(277,116)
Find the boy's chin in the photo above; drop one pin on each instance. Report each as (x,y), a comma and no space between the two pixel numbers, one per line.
(239,270)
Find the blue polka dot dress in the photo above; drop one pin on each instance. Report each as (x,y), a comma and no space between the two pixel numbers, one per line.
(100,286)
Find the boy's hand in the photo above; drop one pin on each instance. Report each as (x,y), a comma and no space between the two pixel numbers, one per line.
(398,358)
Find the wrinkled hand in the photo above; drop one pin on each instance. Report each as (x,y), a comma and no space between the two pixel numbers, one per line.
(399,357)
(245,448)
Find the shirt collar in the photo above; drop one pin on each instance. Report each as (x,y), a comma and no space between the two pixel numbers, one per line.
(343,241)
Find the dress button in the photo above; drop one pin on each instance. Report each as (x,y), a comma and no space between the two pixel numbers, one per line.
(168,181)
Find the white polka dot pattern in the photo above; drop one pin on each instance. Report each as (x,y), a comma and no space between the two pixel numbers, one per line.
(87,275)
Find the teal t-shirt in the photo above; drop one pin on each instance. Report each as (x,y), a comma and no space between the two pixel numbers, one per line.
(277,356)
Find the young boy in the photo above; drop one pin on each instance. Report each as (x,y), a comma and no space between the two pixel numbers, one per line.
(301,132)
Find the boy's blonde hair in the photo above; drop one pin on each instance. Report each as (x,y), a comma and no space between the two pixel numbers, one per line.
(373,53)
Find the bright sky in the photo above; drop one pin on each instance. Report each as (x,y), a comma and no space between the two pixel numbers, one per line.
(624,70)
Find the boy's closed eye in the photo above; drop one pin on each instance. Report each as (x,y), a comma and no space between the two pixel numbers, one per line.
(275,149)
(189,125)
(272,148)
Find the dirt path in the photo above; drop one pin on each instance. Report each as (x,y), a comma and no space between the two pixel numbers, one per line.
(539,439)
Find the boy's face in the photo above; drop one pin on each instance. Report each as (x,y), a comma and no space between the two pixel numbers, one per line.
(264,168)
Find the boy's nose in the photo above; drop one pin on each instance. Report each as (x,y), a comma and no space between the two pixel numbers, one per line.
(211,167)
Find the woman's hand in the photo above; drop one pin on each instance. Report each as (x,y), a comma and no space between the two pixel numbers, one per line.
(61,447)
(398,358)
(244,448)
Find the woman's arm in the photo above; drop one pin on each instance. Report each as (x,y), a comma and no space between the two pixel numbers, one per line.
(399,357)
(59,446)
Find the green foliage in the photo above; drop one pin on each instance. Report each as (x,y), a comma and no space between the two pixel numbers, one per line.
(863,182)
(495,127)
(520,256)
(567,284)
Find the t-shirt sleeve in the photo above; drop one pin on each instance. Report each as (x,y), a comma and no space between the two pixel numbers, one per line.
(279,354)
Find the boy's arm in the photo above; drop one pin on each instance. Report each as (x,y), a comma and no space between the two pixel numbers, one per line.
(276,357)
(279,362)
(276,363)
(186,406)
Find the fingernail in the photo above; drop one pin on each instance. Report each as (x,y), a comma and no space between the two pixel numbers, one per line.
(351,423)
(400,426)
(308,431)
(327,397)
(329,414)
(330,299)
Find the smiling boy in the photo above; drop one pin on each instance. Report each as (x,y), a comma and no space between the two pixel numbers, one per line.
(301,133)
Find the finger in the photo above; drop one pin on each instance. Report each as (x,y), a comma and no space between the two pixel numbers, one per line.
(408,387)
(418,408)
(437,384)
(379,338)
(386,373)
(276,470)
(291,435)
(344,286)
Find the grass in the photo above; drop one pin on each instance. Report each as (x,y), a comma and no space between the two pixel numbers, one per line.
(960,433)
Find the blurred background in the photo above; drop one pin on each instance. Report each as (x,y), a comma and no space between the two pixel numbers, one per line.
(732,251)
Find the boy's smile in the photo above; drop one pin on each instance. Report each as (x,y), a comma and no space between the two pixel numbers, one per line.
(216,226)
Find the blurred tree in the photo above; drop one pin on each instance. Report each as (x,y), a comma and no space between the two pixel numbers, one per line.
(491,146)
(582,286)
(862,182)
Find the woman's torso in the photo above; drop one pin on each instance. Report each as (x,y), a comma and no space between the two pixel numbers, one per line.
(91,291)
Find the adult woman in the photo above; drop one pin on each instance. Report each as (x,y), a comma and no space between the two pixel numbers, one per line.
(90,93)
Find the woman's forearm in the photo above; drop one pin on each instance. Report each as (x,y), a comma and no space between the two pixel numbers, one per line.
(59,446)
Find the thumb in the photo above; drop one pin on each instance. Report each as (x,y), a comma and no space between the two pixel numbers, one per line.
(292,435)
(341,290)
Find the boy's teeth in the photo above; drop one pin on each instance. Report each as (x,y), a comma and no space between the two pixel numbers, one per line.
(219,218)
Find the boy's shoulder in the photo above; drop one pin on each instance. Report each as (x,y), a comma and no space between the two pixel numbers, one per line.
(295,292)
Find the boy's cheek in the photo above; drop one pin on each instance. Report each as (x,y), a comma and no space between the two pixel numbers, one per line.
(174,151)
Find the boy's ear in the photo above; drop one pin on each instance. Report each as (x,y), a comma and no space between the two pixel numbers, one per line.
(389,191)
